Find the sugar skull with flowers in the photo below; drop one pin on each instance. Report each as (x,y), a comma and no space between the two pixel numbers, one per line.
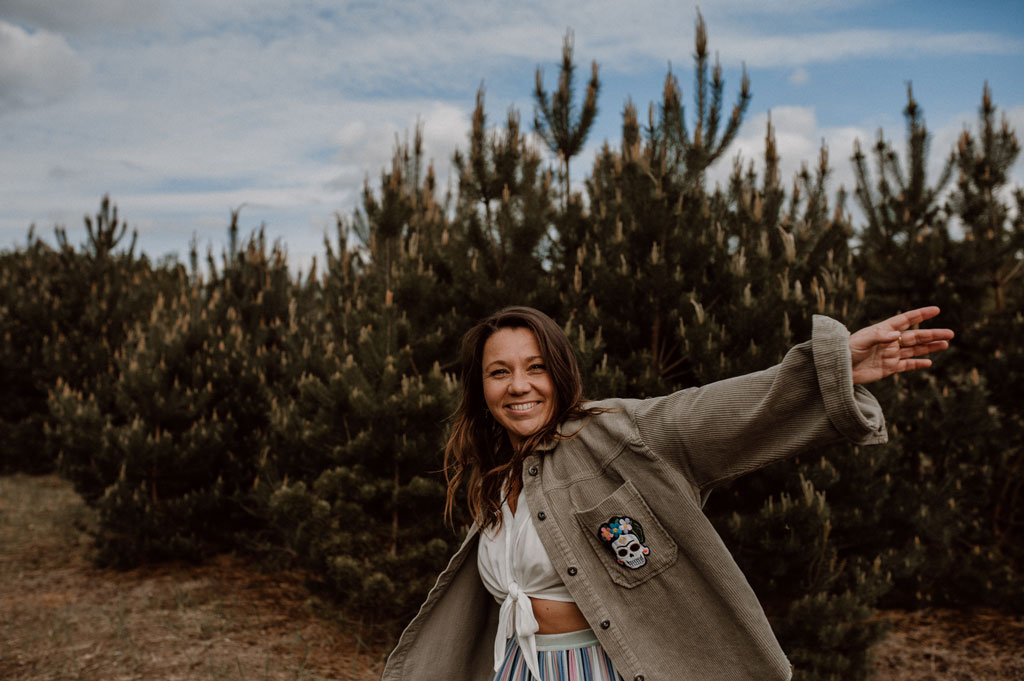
(624,537)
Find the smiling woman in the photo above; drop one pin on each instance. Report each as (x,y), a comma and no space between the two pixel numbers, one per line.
(590,557)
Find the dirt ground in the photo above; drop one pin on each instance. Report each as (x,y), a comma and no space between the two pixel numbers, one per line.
(61,618)
(945,644)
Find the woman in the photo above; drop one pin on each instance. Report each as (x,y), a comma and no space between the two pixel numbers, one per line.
(589,557)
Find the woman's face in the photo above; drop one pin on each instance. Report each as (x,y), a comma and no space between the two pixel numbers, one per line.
(517,386)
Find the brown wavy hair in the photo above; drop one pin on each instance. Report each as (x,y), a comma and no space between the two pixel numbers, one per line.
(479,453)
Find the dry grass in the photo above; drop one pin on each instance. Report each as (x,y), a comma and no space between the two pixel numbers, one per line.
(946,644)
(62,618)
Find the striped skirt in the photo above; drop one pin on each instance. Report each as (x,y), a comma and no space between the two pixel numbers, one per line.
(575,656)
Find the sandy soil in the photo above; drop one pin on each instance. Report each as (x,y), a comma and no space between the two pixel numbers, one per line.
(62,618)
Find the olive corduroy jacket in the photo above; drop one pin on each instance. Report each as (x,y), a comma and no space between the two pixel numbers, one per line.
(688,613)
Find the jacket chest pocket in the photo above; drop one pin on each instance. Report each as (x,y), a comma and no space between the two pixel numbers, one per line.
(627,537)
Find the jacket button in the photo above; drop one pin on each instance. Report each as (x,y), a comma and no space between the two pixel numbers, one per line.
(605,624)
(534,470)
(638,677)
(541,515)
(572,572)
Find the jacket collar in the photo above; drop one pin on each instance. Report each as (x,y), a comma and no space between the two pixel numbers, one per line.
(547,445)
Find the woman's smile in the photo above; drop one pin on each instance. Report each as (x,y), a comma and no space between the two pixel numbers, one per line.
(523,406)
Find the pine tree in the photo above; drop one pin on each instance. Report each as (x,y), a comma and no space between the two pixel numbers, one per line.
(503,219)
(993,247)
(368,422)
(554,114)
(182,437)
(905,239)
(407,276)
(65,312)
(29,317)
(693,155)
(950,452)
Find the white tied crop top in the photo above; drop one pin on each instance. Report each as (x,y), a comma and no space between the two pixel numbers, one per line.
(514,567)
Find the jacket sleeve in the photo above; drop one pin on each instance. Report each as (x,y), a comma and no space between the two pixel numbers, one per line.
(725,429)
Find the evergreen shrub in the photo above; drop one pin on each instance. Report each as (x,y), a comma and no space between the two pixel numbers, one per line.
(171,461)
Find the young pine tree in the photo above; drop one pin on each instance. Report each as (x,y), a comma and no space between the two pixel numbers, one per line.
(555,119)
(170,461)
(65,312)
(951,453)
(364,511)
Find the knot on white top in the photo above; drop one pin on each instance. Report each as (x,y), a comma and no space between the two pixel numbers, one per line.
(515,618)
(514,592)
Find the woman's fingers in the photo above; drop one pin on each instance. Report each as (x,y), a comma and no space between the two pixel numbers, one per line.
(912,364)
(924,337)
(905,320)
(917,342)
(919,349)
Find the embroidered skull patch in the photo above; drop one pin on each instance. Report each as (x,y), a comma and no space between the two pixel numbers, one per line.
(624,537)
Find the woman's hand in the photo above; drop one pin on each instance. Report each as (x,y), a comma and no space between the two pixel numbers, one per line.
(888,347)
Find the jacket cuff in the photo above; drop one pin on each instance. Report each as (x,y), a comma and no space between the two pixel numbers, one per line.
(852,409)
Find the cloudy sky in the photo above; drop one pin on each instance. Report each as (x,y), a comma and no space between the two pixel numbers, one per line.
(185,110)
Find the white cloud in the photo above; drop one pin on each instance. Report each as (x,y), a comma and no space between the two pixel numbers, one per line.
(77,15)
(173,177)
(831,46)
(35,68)
(388,46)
(745,31)
(799,76)
(364,146)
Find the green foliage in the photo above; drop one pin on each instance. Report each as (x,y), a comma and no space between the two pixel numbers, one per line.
(502,222)
(839,630)
(65,313)
(906,246)
(993,247)
(368,419)
(29,317)
(183,438)
(952,469)
(553,118)
(693,154)
(368,523)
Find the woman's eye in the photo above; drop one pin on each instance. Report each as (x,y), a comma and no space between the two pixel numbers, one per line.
(538,367)
(498,372)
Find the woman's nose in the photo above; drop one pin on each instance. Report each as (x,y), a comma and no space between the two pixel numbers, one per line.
(519,384)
